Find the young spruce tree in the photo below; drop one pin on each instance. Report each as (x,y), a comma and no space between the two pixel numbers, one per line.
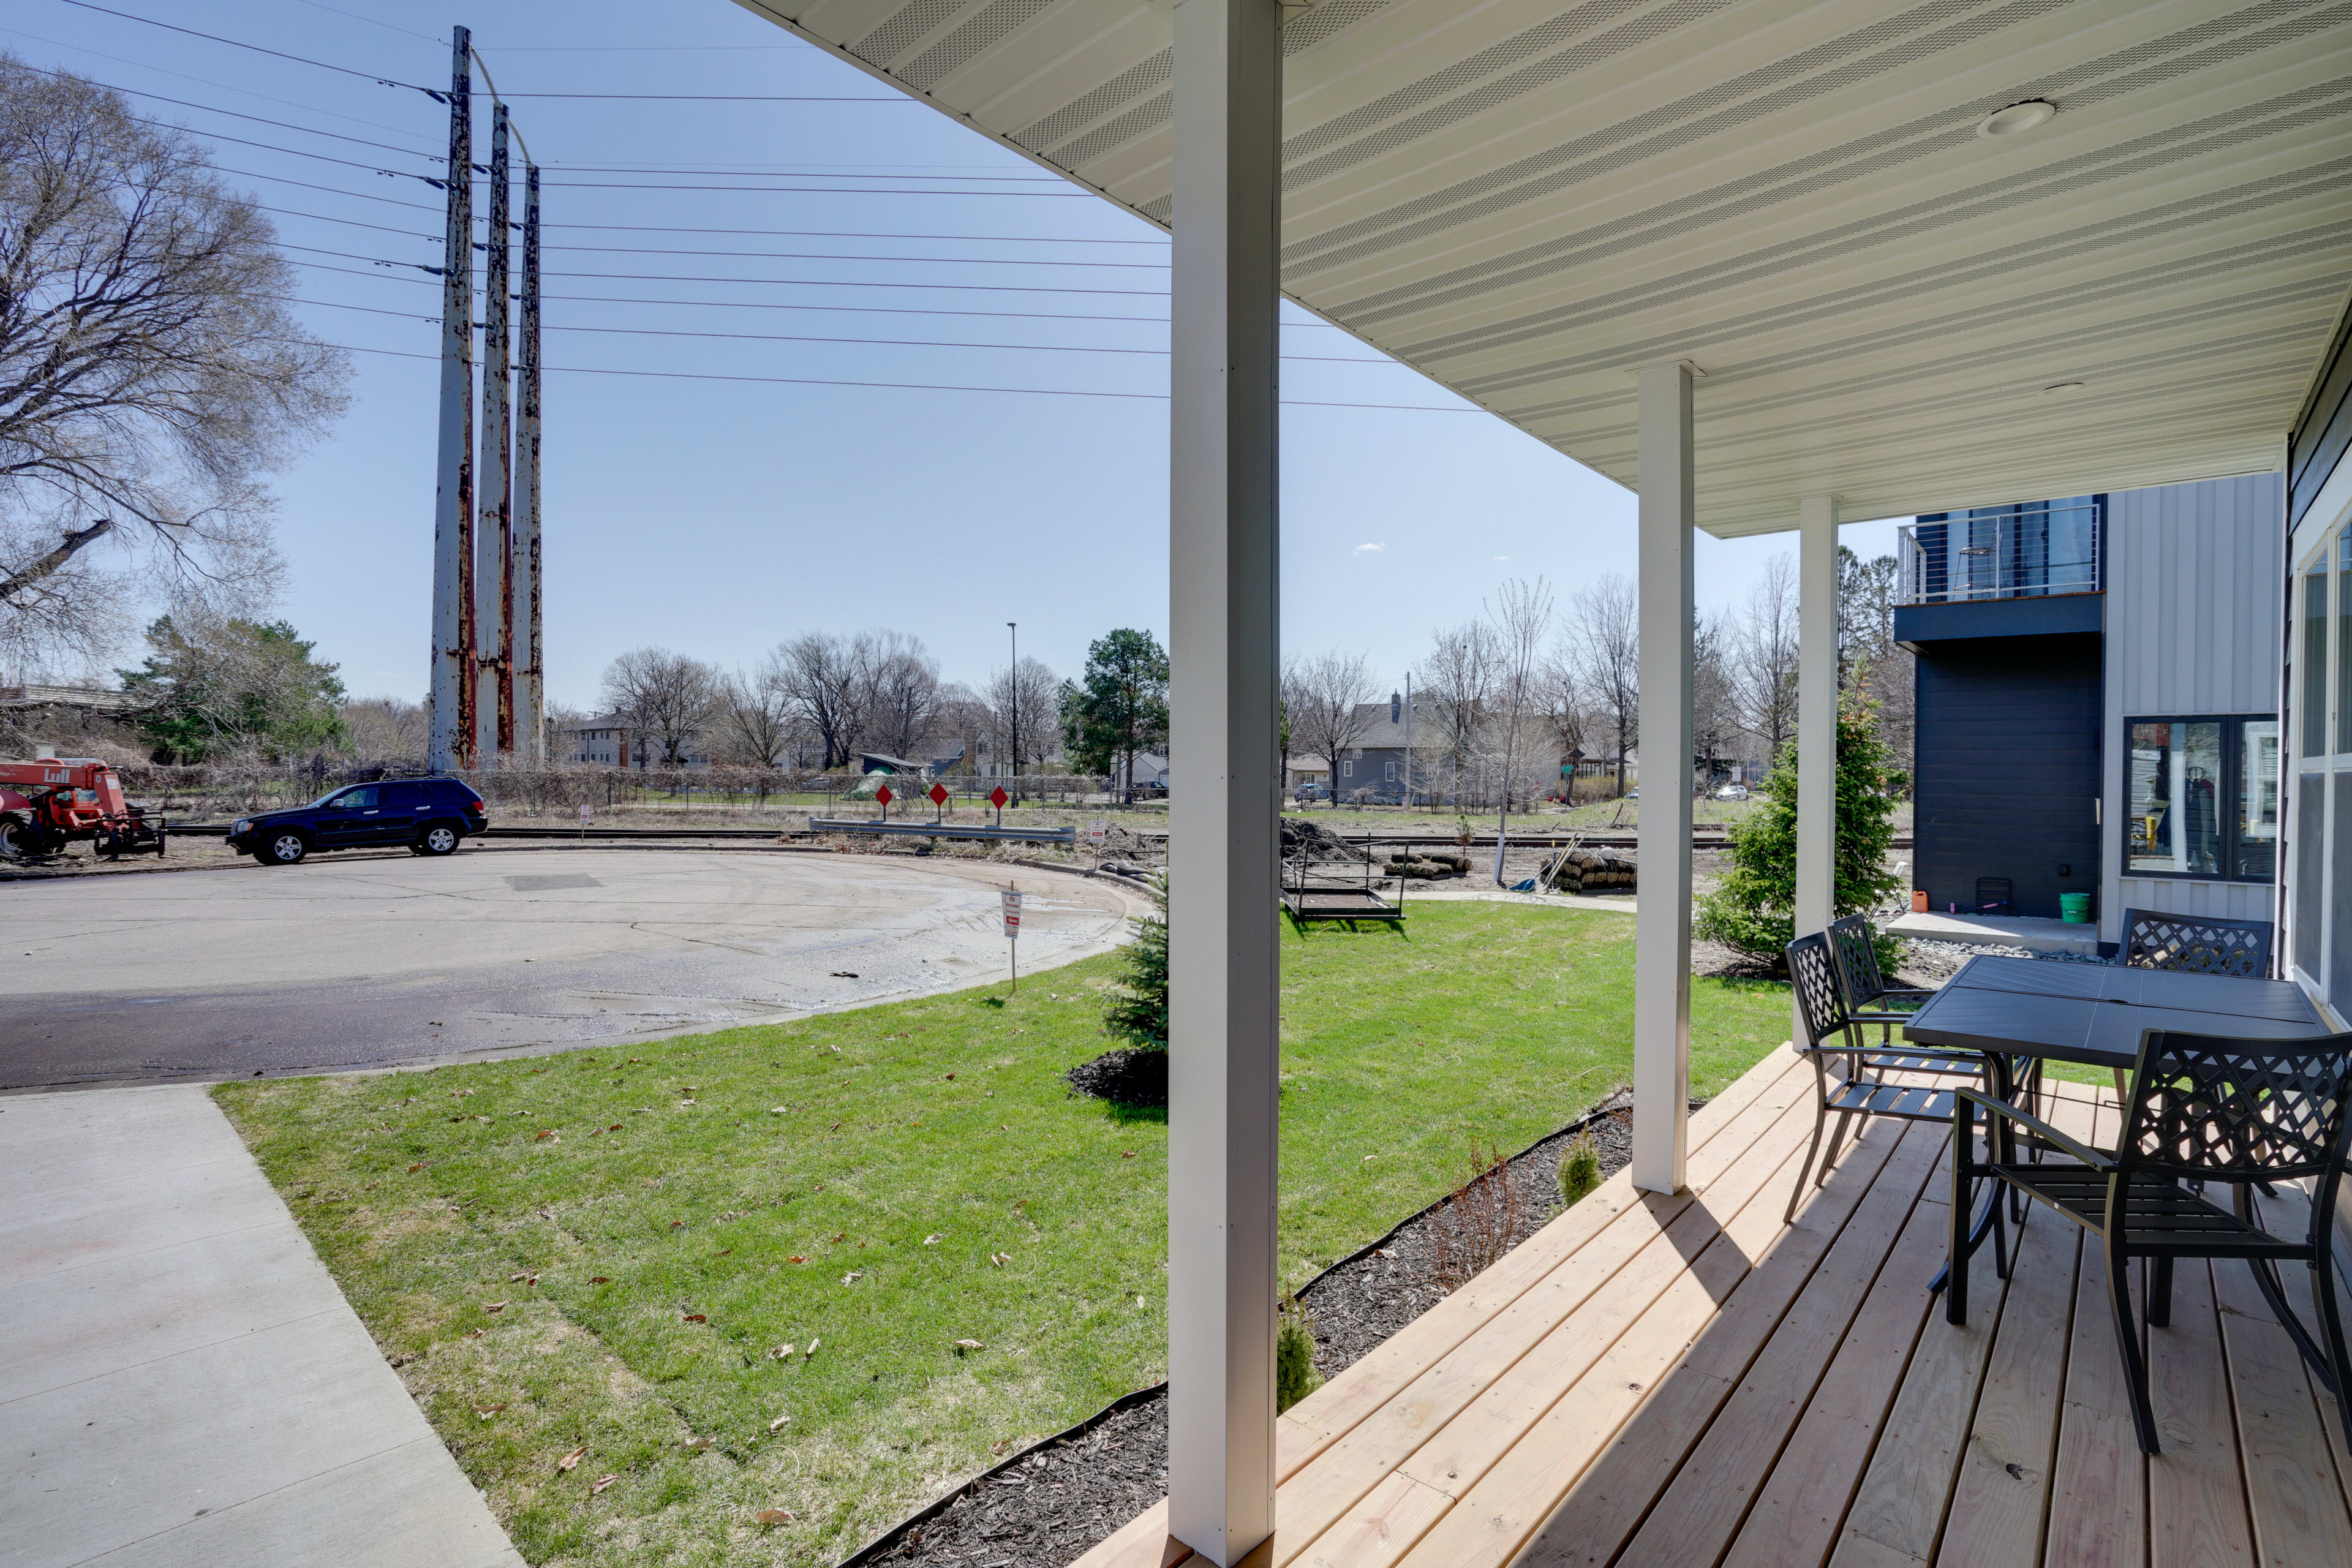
(1753,911)
(1139,1007)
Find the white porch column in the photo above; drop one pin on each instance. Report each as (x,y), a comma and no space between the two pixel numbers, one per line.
(1817,693)
(1223,849)
(1663,919)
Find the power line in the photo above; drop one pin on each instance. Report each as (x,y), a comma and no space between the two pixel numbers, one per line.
(372,22)
(908,385)
(810,190)
(332,190)
(443,97)
(208,81)
(803,338)
(208,109)
(751,171)
(826,256)
(773,282)
(794,305)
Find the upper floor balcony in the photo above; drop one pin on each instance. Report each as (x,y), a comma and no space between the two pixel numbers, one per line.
(2034,550)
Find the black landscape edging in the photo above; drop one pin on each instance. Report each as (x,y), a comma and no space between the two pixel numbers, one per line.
(872,1551)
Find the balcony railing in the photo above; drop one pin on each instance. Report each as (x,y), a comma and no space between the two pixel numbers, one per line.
(2026,552)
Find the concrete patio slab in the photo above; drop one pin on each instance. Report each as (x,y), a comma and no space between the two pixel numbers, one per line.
(1999,931)
(180,1379)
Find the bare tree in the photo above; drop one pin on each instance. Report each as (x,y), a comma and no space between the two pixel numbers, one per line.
(149,370)
(1715,702)
(1869,659)
(819,673)
(1330,698)
(1602,643)
(384,729)
(753,715)
(897,691)
(1458,680)
(1038,705)
(1567,712)
(1522,617)
(960,721)
(1764,656)
(663,696)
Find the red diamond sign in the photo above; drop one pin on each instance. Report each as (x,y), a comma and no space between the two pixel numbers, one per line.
(939,794)
(999,798)
(884,794)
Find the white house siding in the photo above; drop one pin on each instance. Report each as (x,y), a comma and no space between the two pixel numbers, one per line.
(2193,576)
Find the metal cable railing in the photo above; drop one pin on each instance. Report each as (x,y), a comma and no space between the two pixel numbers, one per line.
(2033,551)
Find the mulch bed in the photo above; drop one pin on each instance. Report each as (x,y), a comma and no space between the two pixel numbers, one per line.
(1051,1504)
(1133,1075)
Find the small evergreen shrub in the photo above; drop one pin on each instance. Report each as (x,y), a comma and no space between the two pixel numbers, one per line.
(1754,909)
(1580,1168)
(1295,1377)
(1138,1013)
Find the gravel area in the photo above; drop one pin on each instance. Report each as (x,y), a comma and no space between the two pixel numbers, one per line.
(1058,1500)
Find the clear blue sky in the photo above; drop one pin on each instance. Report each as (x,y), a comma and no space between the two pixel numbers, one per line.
(718,518)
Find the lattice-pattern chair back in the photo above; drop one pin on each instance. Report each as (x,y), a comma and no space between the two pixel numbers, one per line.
(1821,1005)
(1857,953)
(2207,1107)
(2201,944)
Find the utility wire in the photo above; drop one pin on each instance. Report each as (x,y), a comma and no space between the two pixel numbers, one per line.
(810,190)
(773,282)
(208,109)
(442,96)
(789,305)
(803,338)
(908,385)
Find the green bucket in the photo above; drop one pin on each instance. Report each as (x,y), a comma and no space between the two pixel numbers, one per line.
(2075,908)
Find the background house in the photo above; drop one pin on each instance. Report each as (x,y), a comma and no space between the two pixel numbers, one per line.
(607,740)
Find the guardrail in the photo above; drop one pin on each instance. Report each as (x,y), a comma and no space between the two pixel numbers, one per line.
(1068,837)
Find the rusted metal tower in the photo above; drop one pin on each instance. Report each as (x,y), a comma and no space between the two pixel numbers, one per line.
(450,733)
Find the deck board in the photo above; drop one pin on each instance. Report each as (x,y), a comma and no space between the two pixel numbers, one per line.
(1653,1381)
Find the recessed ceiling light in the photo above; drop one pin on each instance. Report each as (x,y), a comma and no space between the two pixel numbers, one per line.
(2018,118)
(2062,389)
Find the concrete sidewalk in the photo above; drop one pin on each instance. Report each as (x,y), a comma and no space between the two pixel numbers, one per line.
(179,1380)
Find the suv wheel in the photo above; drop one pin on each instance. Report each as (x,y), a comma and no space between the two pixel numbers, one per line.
(440,839)
(284,848)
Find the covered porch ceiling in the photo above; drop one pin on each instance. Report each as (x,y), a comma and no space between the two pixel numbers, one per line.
(1529,199)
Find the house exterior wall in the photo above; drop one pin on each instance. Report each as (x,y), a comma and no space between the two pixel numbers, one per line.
(2193,576)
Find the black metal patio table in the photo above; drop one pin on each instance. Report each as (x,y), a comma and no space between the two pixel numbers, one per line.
(2016,1010)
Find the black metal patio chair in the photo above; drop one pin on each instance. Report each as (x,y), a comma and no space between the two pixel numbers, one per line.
(1860,1090)
(2206,1110)
(2201,944)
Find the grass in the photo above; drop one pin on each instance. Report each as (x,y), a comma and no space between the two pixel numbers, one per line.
(658,1220)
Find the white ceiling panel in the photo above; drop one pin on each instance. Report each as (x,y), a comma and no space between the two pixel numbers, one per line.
(1528,200)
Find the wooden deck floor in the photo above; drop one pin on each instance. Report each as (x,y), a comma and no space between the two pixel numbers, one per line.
(1680,1381)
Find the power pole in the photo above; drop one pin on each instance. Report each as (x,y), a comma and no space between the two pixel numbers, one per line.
(1013,685)
(522,610)
(494,534)
(451,734)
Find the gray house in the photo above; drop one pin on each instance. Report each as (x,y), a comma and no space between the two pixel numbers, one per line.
(2098,701)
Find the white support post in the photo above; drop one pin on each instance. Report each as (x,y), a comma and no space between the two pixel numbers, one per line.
(1817,700)
(1661,921)
(450,736)
(1222,847)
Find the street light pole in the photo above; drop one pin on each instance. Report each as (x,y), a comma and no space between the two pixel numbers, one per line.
(1013,685)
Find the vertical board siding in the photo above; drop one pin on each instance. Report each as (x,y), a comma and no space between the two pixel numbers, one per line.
(2198,896)
(2193,605)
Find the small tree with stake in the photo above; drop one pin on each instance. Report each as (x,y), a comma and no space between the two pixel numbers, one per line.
(1754,909)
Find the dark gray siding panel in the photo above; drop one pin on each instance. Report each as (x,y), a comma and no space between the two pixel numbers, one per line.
(2007,767)
(1915,623)
(2324,431)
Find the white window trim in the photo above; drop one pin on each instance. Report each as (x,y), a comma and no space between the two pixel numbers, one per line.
(2318,542)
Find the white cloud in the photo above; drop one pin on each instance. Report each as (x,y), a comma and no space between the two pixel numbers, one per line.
(1368,549)
(1502,558)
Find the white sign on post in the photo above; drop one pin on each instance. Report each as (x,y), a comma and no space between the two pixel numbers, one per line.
(1012,901)
(1097,831)
(583,814)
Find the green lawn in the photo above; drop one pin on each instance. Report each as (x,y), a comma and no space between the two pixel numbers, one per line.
(879,1184)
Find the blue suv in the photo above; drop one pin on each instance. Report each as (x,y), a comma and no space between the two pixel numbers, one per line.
(429,815)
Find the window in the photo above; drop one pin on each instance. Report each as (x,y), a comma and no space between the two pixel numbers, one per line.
(1346,770)
(2314,727)
(2201,798)
(359,799)
(2344,640)
(1392,776)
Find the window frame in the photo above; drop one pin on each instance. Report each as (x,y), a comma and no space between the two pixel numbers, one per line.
(2229,810)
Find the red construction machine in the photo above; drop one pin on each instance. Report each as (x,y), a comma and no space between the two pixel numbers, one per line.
(51,802)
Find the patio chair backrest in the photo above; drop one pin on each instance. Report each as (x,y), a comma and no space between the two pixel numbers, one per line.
(1821,1000)
(2208,1107)
(2202,944)
(1855,949)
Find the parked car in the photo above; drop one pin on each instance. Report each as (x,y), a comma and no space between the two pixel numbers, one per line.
(1308,792)
(1732,792)
(431,816)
